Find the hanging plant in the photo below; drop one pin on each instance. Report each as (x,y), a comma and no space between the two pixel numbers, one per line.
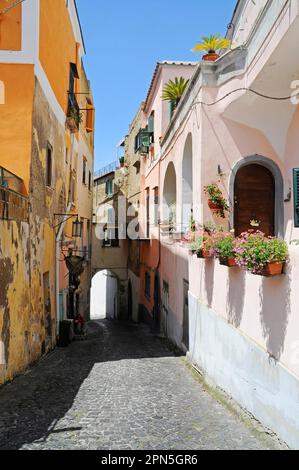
(217,203)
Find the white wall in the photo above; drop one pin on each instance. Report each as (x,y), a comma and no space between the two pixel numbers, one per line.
(103,301)
(244,370)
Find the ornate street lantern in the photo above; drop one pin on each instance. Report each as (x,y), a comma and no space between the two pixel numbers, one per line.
(77,229)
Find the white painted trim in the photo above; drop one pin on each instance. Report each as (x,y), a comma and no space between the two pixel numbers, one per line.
(76,25)
(30,37)
(2,92)
(49,93)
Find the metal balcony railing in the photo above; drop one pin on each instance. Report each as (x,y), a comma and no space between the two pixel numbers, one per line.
(106,170)
(13,204)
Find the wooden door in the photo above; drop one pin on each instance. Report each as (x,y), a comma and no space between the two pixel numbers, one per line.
(254,199)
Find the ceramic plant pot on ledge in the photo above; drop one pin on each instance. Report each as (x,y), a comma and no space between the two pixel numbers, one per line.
(211,57)
(229,262)
(272,269)
(204,254)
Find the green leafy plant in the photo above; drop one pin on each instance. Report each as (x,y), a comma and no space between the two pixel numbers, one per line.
(211,228)
(211,44)
(223,245)
(75,114)
(174,90)
(253,250)
(192,223)
(217,202)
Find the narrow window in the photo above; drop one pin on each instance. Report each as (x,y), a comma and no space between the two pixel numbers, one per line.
(49,166)
(89,180)
(109,187)
(147,285)
(156,202)
(84,171)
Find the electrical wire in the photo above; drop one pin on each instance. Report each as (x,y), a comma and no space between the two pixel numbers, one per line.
(10,7)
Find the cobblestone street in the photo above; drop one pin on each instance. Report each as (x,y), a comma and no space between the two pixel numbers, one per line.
(121,389)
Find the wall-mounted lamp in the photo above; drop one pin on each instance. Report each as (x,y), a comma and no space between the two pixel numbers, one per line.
(77,225)
(220,172)
(77,229)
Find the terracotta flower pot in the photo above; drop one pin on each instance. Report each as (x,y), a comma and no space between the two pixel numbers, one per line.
(272,269)
(204,254)
(214,206)
(71,124)
(230,262)
(211,57)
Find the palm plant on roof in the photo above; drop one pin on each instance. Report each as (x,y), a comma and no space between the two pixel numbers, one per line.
(174,90)
(211,44)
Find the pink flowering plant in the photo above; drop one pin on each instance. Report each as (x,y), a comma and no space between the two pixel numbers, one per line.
(223,245)
(194,239)
(254,250)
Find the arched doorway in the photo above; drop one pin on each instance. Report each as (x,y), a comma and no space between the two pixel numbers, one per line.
(187,183)
(104,296)
(254,199)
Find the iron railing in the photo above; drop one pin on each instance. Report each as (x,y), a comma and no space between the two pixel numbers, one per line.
(13,204)
(106,170)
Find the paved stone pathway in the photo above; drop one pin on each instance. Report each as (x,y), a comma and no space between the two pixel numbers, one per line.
(121,389)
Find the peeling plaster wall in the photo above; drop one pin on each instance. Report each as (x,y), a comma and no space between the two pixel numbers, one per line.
(27,254)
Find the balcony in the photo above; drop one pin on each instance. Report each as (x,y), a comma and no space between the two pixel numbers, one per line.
(13,204)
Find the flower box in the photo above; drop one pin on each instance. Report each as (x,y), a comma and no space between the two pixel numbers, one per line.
(272,269)
(229,262)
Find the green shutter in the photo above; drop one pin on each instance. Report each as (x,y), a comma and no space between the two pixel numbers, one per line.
(296,196)
(151,124)
(145,139)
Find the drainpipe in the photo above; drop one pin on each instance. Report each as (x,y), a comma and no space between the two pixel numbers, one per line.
(57,257)
(57,246)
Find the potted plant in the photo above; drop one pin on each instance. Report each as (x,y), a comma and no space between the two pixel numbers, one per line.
(210,45)
(217,203)
(173,91)
(210,228)
(223,246)
(265,256)
(74,119)
(122,162)
(207,247)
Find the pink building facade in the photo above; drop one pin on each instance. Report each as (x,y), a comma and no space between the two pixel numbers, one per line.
(241,112)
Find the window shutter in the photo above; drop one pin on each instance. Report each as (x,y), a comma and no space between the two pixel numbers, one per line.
(151,124)
(89,118)
(296,196)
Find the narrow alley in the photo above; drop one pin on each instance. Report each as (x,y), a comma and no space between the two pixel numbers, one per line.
(122,388)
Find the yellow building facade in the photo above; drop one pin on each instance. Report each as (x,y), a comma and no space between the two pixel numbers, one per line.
(46,168)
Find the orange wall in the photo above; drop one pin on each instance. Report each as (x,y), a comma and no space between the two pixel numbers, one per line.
(57,46)
(10,28)
(16,119)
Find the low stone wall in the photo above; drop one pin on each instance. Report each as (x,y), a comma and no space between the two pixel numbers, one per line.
(241,368)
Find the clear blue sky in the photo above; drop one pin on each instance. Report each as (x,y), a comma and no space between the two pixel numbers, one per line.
(124,39)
